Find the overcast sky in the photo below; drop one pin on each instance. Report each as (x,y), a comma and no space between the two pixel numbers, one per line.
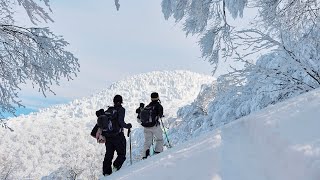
(112,45)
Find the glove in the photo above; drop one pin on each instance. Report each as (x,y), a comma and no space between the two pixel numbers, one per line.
(101,139)
(141,105)
(129,126)
(98,134)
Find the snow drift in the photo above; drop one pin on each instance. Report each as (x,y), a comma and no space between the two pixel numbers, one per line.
(280,142)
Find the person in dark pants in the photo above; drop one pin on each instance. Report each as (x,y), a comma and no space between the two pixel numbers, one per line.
(116,142)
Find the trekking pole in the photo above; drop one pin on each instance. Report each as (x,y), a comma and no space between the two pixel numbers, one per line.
(129,135)
(153,146)
(165,132)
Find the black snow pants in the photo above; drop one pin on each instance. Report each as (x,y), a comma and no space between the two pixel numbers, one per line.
(118,144)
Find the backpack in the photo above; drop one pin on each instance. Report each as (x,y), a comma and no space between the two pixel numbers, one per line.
(108,122)
(148,116)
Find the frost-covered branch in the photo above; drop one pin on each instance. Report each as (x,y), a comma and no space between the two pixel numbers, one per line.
(3,124)
(34,54)
(208,20)
(35,12)
(74,173)
(290,15)
(30,55)
(6,169)
(116,2)
(312,73)
(252,41)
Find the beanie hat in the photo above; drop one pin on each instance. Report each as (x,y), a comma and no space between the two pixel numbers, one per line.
(154,96)
(99,112)
(117,99)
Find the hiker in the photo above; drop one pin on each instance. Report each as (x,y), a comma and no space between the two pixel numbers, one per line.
(138,110)
(114,136)
(149,118)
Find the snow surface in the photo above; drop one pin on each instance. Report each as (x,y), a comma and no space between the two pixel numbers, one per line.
(56,141)
(281,142)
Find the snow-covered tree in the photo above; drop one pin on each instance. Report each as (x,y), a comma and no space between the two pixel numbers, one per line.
(291,29)
(285,33)
(211,21)
(30,54)
(276,76)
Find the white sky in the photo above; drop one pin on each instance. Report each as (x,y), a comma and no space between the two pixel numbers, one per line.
(112,45)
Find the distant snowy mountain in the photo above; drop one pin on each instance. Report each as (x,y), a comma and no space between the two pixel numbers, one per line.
(280,142)
(56,141)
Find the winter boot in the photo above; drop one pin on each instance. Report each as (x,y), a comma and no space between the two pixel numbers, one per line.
(114,169)
(147,154)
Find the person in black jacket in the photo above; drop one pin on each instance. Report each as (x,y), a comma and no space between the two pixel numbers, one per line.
(116,142)
(138,110)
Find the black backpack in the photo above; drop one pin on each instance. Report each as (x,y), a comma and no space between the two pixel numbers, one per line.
(109,122)
(148,116)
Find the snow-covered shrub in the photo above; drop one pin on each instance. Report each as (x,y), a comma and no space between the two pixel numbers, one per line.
(192,119)
(65,173)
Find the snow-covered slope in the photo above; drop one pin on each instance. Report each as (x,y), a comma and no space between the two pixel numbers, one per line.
(57,140)
(281,142)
